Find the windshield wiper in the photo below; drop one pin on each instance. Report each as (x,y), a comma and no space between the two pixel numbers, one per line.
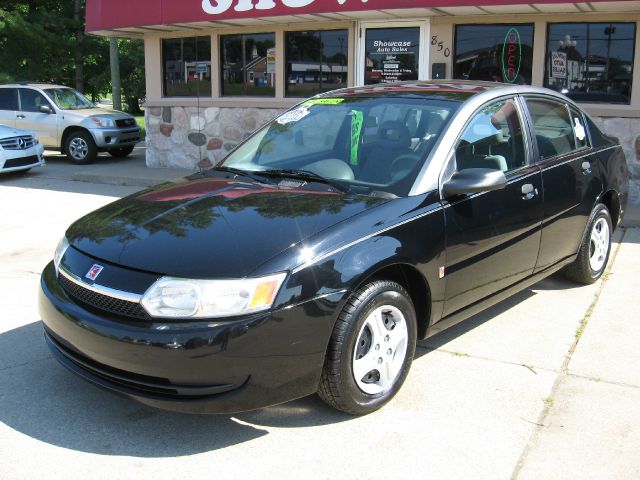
(306,175)
(245,173)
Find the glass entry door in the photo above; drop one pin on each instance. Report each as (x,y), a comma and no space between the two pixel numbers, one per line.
(390,53)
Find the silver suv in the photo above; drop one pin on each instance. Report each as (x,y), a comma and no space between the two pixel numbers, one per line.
(63,119)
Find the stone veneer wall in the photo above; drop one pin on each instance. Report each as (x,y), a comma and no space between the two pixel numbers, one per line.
(188,137)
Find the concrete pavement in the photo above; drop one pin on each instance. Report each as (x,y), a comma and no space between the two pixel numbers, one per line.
(511,393)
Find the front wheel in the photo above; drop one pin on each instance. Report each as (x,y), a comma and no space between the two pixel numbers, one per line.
(120,152)
(371,349)
(80,147)
(594,249)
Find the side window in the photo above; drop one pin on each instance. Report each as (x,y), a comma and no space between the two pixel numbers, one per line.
(554,131)
(31,100)
(493,139)
(8,99)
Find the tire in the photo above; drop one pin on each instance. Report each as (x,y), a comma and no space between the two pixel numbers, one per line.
(120,152)
(351,381)
(80,147)
(594,249)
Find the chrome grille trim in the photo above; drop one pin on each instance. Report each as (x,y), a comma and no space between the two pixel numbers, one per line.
(101,289)
(22,142)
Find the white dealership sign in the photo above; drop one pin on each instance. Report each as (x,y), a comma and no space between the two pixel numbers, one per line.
(215,7)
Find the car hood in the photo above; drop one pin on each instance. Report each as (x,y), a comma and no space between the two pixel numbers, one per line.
(88,112)
(6,131)
(211,226)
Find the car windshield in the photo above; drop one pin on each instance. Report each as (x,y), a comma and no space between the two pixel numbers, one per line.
(374,143)
(68,99)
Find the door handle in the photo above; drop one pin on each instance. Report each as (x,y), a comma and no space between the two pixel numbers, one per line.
(21,116)
(586,168)
(528,191)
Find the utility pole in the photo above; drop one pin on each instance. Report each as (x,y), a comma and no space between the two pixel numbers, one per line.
(115,73)
(79,57)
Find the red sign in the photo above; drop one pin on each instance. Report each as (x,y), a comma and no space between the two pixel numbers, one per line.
(109,14)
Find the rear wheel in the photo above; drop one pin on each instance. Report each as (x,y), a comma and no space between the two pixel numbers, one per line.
(120,152)
(371,349)
(594,250)
(80,147)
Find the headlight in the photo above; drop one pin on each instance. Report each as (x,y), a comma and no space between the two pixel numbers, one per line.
(103,122)
(184,298)
(63,244)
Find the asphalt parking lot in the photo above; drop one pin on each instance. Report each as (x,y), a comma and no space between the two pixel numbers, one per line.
(544,385)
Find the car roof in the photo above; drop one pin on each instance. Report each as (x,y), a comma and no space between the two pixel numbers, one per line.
(465,89)
(32,84)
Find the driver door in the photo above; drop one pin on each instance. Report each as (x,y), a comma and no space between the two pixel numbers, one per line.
(44,125)
(492,238)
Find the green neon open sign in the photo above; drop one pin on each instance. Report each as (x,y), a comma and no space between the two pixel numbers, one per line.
(511,55)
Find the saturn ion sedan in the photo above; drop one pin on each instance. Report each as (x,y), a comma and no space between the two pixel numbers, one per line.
(318,251)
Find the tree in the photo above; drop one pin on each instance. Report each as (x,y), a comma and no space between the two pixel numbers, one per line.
(43,41)
(132,75)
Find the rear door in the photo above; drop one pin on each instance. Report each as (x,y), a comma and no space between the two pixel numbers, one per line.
(8,106)
(569,176)
(44,125)
(492,237)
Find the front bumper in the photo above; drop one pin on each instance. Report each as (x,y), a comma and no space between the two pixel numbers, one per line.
(196,367)
(107,138)
(17,160)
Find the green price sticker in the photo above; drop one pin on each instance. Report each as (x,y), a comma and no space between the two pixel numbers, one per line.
(357,119)
(324,101)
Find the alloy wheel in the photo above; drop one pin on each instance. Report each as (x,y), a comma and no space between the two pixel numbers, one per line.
(78,148)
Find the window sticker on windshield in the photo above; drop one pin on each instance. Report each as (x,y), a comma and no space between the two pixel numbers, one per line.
(579,129)
(324,101)
(293,115)
(357,119)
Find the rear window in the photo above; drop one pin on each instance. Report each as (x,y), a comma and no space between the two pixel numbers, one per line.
(553,128)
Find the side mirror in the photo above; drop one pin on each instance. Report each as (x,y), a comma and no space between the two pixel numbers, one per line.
(474,180)
(45,109)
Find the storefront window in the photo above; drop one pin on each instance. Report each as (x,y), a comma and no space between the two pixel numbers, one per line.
(248,64)
(495,52)
(591,62)
(316,61)
(186,65)
(391,54)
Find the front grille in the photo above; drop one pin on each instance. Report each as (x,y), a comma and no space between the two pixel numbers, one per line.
(103,302)
(21,162)
(125,122)
(18,143)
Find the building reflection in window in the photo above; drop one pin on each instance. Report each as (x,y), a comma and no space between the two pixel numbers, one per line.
(494,52)
(186,66)
(591,62)
(315,61)
(248,64)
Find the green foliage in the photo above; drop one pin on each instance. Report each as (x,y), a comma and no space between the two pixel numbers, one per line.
(132,77)
(38,43)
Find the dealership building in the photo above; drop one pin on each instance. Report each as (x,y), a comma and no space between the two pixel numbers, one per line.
(218,69)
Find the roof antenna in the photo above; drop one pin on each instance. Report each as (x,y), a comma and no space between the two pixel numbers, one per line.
(199,165)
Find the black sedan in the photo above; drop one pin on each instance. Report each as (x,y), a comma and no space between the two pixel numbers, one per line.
(315,255)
